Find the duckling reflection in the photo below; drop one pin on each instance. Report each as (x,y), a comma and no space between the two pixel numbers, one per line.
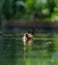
(27,51)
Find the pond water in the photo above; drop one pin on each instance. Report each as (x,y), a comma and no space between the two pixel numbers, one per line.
(43,51)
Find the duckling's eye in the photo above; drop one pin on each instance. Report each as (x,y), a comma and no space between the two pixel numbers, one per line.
(26,35)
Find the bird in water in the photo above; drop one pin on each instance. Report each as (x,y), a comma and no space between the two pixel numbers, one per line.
(28,38)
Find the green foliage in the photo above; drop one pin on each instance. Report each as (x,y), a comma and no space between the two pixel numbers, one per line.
(6,9)
(51,5)
(25,8)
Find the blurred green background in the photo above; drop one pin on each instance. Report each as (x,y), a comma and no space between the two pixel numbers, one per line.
(44,50)
(25,9)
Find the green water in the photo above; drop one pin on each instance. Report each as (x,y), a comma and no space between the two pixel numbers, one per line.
(44,50)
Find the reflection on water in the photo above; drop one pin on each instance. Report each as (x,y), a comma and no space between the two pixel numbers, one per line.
(42,52)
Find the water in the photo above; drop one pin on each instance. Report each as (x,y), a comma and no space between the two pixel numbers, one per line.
(44,50)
